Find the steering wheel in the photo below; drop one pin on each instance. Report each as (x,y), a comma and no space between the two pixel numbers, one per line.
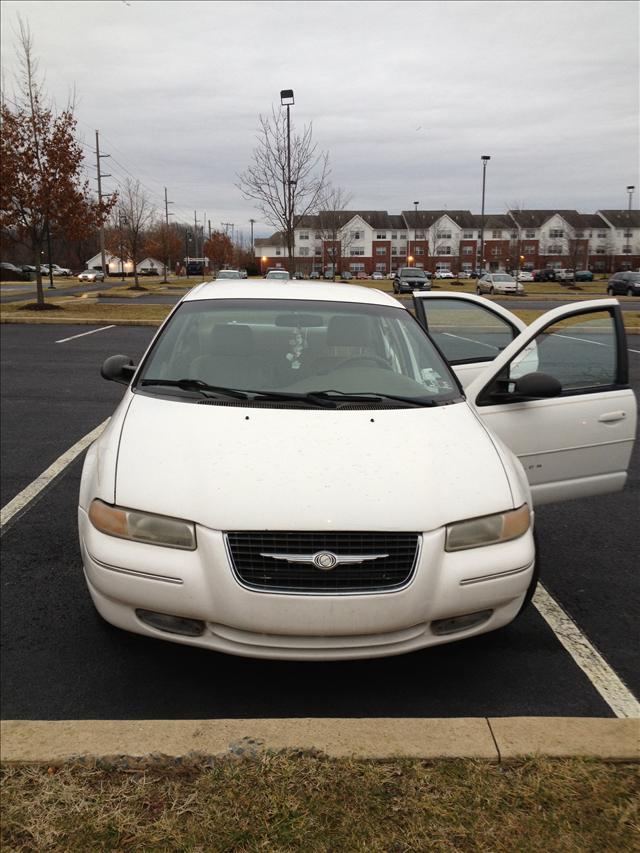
(363,359)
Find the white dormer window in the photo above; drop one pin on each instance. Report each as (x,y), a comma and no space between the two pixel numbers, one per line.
(530,234)
(467,235)
(497,235)
(357,235)
(443,235)
(304,235)
(556,234)
(382,235)
(419,235)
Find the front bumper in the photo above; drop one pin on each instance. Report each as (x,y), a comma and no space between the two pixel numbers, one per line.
(123,576)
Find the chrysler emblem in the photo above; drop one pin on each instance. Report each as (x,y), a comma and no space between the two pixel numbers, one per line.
(324,560)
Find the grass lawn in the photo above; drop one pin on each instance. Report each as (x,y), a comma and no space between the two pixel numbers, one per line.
(285,802)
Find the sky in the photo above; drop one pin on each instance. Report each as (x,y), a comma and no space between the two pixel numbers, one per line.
(404,96)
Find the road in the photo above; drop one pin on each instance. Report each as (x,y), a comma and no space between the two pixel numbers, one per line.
(60,661)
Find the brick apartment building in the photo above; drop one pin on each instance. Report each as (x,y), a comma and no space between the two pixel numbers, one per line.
(367,241)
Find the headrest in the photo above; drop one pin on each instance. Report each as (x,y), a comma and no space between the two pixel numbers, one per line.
(232,340)
(349,332)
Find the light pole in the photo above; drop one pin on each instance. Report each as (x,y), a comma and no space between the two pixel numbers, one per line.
(122,220)
(415,230)
(630,190)
(485,159)
(287,100)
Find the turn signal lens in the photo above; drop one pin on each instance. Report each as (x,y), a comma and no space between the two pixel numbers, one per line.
(142,527)
(488,529)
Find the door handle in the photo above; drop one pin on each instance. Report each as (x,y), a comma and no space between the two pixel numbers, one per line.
(611,417)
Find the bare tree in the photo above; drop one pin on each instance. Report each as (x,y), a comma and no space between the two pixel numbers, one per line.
(266,182)
(135,214)
(332,218)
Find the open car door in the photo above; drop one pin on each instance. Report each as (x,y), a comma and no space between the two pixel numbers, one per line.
(572,420)
(469,330)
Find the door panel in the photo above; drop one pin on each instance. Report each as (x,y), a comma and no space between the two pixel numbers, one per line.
(577,443)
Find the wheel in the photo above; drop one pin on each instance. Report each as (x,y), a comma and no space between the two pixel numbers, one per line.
(534,579)
(629,292)
(478,291)
(359,359)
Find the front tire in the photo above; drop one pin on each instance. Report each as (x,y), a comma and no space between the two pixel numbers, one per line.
(629,292)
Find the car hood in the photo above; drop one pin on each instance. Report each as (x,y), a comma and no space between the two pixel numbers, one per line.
(232,467)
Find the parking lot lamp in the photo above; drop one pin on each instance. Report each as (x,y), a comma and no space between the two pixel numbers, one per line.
(287,100)
(410,260)
(485,159)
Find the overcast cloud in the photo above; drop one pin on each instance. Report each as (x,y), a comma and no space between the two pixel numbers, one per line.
(405,96)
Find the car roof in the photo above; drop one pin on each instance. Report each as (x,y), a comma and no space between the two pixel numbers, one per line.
(274,289)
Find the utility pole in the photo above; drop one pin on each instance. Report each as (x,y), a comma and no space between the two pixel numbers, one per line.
(252,221)
(209,229)
(195,233)
(166,240)
(100,176)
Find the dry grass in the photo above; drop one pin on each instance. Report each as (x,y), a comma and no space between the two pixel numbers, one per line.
(311,803)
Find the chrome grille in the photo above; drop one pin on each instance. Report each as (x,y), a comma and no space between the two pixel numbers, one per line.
(253,569)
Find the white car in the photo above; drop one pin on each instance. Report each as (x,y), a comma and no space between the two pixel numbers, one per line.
(443,274)
(565,275)
(499,282)
(228,274)
(524,275)
(91,275)
(278,275)
(378,276)
(58,271)
(246,496)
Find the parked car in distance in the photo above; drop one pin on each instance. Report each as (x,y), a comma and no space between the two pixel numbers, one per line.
(583,275)
(244,274)
(329,276)
(315,275)
(10,272)
(544,275)
(444,274)
(222,274)
(268,516)
(277,275)
(408,279)
(524,275)
(62,272)
(148,271)
(91,275)
(362,276)
(465,274)
(346,276)
(499,282)
(564,275)
(624,284)
(378,276)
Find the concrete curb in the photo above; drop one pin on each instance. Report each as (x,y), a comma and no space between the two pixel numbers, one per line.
(81,321)
(171,741)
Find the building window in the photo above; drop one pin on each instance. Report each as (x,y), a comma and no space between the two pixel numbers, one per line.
(394,236)
(556,234)
(419,251)
(381,236)
(403,236)
(626,250)
(467,235)
(304,236)
(318,235)
(600,251)
(529,248)
(420,266)
(443,250)
(530,235)
(514,235)
(356,250)
(381,250)
(356,235)
(394,250)
(495,252)
(497,235)
(599,265)
(419,235)
(331,252)
(443,235)
(317,252)
(381,267)
(554,249)
(303,252)
(278,251)
(356,267)
(580,234)
(628,234)
(467,266)
(443,266)
(602,234)
(467,250)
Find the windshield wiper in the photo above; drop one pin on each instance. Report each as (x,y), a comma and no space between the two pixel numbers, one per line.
(198,385)
(369,397)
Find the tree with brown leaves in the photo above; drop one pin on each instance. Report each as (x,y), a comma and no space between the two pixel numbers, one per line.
(41,186)
(220,250)
(165,242)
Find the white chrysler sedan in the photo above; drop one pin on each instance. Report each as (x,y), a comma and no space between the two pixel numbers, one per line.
(306,471)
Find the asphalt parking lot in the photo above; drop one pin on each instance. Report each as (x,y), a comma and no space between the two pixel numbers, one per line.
(59,661)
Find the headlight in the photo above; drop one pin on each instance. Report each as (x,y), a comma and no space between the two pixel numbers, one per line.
(142,526)
(488,529)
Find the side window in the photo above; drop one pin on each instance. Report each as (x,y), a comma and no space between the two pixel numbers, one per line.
(580,352)
(466,332)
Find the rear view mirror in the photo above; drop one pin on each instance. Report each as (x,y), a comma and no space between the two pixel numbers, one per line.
(118,368)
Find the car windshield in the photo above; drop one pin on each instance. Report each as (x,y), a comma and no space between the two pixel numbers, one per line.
(228,274)
(293,348)
(412,273)
(503,278)
(633,277)
(284,275)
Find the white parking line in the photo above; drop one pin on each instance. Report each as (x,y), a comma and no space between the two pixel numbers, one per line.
(82,334)
(31,492)
(612,689)
(595,343)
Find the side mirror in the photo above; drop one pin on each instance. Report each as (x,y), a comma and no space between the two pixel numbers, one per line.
(536,385)
(118,368)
